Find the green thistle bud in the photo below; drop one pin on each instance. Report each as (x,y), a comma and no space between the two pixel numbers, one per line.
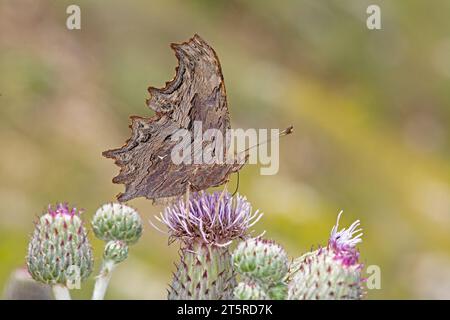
(115,221)
(116,251)
(59,248)
(249,291)
(261,260)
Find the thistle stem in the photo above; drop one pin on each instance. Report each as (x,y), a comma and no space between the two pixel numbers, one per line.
(61,292)
(101,284)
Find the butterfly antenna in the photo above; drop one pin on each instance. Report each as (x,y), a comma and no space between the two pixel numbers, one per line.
(285,132)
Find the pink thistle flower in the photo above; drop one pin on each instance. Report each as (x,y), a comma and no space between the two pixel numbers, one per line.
(344,242)
(62,209)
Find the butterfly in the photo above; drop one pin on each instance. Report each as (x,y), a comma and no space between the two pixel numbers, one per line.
(196,93)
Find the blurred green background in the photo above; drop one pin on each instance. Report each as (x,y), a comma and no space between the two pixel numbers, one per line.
(371,111)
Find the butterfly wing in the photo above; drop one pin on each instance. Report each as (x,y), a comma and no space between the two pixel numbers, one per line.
(197,93)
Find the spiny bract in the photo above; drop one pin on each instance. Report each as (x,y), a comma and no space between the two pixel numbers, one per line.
(204,273)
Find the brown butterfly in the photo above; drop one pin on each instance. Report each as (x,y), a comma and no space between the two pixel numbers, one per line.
(197,93)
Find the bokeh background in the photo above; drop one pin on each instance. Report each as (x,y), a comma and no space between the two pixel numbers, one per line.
(371,111)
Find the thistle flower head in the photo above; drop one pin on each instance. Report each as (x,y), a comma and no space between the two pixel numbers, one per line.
(343,242)
(115,221)
(261,260)
(59,245)
(214,219)
(332,272)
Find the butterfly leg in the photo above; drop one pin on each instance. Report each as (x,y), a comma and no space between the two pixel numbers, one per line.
(237,185)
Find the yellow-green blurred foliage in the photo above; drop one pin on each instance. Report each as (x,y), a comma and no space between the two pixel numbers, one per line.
(371,111)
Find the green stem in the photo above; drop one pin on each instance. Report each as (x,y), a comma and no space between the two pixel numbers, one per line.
(101,284)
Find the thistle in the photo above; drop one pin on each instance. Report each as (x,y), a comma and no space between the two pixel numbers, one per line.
(263,265)
(115,221)
(332,272)
(120,226)
(205,230)
(59,250)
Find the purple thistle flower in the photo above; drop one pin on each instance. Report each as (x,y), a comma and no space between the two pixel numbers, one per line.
(214,219)
(62,209)
(344,242)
